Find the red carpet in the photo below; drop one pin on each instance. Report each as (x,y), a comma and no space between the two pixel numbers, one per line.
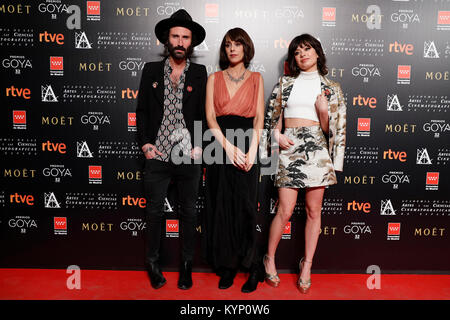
(46,284)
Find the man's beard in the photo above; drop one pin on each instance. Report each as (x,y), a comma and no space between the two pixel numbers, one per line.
(184,54)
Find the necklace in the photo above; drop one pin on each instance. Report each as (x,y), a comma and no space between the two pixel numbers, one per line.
(236,80)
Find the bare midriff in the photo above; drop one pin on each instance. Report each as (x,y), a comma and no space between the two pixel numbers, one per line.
(298,122)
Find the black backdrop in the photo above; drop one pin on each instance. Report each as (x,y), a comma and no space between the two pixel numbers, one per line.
(71,180)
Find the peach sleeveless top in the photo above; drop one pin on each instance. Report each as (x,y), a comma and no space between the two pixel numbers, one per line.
(244,101)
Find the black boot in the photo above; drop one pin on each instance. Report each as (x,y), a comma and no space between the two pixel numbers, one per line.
(185,280)
(256,274)
(154,272)
(227,278)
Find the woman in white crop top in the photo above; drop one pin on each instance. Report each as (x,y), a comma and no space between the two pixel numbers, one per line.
(312,109)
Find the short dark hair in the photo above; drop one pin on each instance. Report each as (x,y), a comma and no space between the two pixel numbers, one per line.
(309,40)
(237,35)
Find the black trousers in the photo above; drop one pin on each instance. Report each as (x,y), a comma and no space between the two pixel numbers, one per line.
(158,175)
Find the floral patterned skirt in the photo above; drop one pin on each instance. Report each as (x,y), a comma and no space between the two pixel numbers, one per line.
(307,163)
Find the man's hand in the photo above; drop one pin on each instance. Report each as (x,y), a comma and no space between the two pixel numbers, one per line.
(150,151)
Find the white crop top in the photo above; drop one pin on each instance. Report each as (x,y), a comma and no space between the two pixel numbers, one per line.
(303,96)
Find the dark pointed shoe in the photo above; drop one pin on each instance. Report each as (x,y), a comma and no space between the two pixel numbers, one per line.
(185,280)
(256,275)
(157,279)
(227,278)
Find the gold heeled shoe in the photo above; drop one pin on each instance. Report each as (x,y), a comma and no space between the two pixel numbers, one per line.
(271,279)
(303,286)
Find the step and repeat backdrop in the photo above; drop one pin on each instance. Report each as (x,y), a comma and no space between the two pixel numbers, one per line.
(71,170)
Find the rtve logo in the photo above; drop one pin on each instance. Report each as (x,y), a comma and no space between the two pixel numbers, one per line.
(397,47)
(21,199)
(18,92)
(371,102)
(281,43)
(54,147)
(133,202)
(356,206)
(395,155)
(51,37)
(129,93)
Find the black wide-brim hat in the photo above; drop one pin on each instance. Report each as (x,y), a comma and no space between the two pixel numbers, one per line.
(180,19)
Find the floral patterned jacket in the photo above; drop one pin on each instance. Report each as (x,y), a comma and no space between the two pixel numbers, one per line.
(336,114)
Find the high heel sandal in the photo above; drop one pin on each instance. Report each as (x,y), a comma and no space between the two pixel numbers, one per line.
(271,279)
(303,286)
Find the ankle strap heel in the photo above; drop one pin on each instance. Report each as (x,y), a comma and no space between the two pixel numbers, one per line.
(271,279)
(303,286)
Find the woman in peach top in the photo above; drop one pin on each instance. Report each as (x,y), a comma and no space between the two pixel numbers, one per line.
(235,115)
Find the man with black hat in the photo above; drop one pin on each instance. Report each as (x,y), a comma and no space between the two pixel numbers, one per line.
(171,103)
